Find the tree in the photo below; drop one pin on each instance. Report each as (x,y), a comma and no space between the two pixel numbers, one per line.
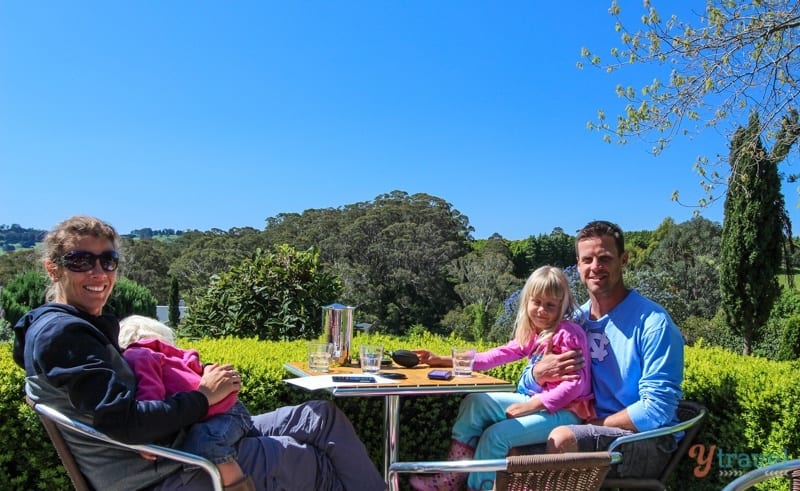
(494,244)
(755,227)
(391,254)
(393,259)
(319,228)
(556,249)
(781,340)
(689,255)
(27,291)
(17,262)
(24,292)
(275,295)
(482,280)
(146,262)
(642,244)
(204,254)
(174,303)
(503,328)
(129,298)
(735,58)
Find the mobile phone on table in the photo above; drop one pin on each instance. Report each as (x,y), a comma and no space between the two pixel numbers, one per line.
(440,374)
(353,378)
(393,375)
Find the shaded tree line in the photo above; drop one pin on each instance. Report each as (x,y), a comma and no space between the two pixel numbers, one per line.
(407,262)
(149,233)
(14,237)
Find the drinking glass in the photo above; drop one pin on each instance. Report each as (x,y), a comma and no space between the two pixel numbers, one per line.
(319,357)
(463,358)
(371,357)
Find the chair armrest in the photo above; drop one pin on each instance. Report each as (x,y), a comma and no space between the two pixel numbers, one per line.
(491,465)
(488,465)
(746,481)
(666,430)
(169,453)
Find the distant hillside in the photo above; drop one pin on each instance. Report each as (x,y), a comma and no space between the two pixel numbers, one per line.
(14,237)
(149,233)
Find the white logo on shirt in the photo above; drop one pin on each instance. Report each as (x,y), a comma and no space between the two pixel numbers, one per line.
(597,345)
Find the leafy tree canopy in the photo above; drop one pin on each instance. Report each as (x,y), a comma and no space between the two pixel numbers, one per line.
(146,261)
(17,262)
(204,254)
(392,254)
(274,295)
(717,66)
(24,292)
(689,255)
(129,298)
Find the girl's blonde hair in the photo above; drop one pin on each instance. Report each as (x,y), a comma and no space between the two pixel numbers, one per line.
(137,327)
(546,281)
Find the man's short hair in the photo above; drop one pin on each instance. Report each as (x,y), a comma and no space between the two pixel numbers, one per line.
(600,228)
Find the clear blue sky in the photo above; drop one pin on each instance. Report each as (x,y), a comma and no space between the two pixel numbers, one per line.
(211,114)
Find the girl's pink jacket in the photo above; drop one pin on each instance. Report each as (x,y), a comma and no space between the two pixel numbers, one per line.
(575,395)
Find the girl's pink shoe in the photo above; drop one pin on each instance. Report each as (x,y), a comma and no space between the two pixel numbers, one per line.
(446,481)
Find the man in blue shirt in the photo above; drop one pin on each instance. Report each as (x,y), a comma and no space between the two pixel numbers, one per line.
(636,355)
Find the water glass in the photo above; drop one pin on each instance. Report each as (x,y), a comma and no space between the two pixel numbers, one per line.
(463,358)
(319,357)
(370,358)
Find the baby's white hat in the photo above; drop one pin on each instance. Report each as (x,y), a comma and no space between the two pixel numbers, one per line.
(137,327)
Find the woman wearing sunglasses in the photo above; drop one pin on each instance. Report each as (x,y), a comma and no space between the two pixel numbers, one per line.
(72,360)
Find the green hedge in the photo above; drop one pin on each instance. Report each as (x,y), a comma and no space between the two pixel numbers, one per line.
(753,416)
(752,405)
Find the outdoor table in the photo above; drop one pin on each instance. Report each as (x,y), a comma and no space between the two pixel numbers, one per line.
(416,383)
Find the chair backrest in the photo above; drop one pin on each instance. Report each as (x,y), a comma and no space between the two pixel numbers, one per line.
(691,416)
(63,451)
(575,471)
(55,422)
(687,411)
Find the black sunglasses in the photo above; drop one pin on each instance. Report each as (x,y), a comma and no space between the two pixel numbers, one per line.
(82,261)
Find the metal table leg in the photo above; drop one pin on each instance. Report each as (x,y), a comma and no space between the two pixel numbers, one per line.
(391,427)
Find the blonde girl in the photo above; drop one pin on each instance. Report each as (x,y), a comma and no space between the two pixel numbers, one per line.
(490,424)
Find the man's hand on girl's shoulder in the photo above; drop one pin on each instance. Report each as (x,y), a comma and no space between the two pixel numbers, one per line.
(554,367)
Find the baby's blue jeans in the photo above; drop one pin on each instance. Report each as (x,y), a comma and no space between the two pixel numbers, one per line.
(217,437)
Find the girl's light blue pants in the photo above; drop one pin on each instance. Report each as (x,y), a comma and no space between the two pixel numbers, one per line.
(482,424)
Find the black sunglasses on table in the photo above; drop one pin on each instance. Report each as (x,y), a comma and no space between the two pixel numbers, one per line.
(82,261)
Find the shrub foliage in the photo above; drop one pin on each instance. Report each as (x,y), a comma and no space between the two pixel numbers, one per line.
(275,295)
(751,402)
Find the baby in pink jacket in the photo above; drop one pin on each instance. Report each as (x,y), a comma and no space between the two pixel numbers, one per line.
(162,369)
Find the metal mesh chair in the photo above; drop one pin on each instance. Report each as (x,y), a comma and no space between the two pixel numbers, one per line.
(575,471)
(54,422)
(691,416)
(551,472)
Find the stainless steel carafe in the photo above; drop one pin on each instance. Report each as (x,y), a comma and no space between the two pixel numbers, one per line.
(337,329)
